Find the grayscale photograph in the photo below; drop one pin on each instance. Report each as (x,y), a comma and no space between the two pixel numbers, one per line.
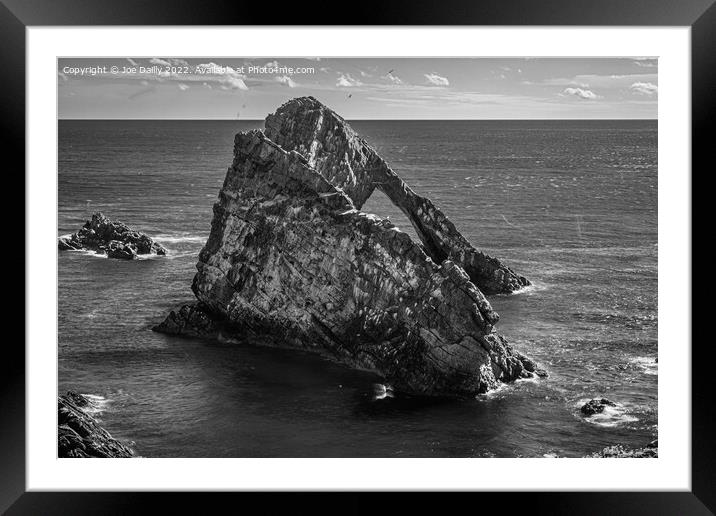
(357,257)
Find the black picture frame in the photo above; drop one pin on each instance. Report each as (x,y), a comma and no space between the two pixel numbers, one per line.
(17,15)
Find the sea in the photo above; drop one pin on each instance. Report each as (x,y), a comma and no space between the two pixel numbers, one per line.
(571,205)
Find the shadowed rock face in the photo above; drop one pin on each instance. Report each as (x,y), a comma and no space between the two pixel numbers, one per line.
(114,239)
(80,435)
(348,162)
(291,260)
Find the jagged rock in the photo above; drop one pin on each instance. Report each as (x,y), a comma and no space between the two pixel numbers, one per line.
(114,239)
(596,406)
(291,257)
(336,152)
(190,320)
(621,452)
(80,435)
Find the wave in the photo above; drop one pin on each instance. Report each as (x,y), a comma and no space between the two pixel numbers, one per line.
(175,239)
(504,389)
(612,416)
(381,391)
(86,252)
(528,289)
(96,404)
(647,365)
(139,257)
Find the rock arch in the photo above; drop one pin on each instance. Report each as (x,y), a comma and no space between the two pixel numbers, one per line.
(346,160)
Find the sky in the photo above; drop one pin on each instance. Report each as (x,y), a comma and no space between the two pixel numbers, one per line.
(359,88)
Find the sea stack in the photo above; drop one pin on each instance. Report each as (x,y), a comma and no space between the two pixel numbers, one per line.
(114,239)
(292,261)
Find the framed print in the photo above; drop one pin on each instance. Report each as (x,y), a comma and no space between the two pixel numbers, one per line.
(445,253)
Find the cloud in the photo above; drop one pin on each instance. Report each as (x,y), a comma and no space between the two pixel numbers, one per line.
(644,88)
(646,62)
(183,87)
(132,61)
(226,76)
(437,80)
(233,83)
(272,64)
(587,81)
(285,79)
(346,81)
(62,76)
(393,78)
(580,93)
(160,62)
(171,61)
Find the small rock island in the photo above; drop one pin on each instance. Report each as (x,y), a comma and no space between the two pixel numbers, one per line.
(114,239)
(292,261)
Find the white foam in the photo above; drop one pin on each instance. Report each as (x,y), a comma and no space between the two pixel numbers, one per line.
(180,238)
(88,252)
(149,256)
(611,416)
(381,391)
(533,378)
(528,289)
(97,404)
(648,365)
(500,389)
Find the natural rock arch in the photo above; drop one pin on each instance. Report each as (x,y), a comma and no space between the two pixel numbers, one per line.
(334,150)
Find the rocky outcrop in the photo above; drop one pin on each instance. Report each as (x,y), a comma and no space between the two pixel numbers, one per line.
(80,435)
(596,406)
(346,161)
(292,260)
(193,321)
(114,239)
(618,451)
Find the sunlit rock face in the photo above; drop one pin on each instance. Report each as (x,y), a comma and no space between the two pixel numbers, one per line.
(335,151)
(292,261)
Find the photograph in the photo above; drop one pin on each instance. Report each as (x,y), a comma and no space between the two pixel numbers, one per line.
(357,257)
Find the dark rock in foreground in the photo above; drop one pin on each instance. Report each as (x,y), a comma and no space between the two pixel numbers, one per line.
(114,239)
(596,406)
(290,257)
(620,452)
(79,434)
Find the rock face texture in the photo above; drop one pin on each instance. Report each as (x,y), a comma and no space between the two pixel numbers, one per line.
(79,434)
(337,153)
(650,451)
(291,259)
(114,239)
(191,320)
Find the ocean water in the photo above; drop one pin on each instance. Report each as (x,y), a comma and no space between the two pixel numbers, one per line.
(572,205)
